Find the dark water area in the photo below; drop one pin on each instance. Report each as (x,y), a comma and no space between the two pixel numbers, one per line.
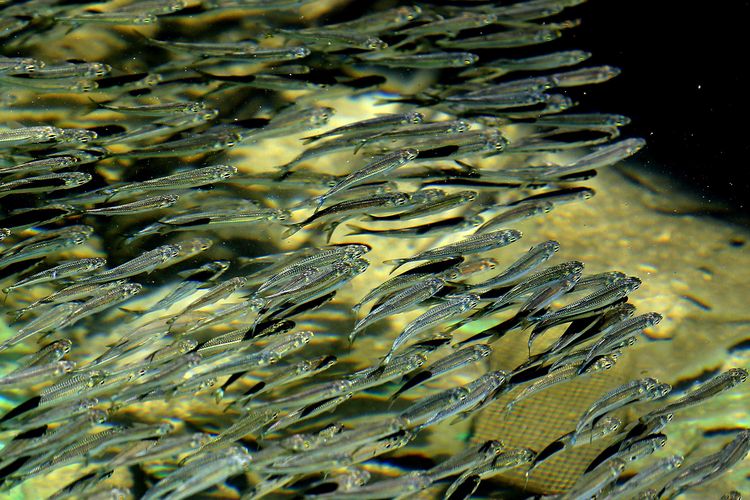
(683,85)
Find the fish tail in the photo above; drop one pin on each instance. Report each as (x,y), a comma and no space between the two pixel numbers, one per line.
(330,230)
(397,262)
(357,230)
(311,138)
(290,230)
(319,200)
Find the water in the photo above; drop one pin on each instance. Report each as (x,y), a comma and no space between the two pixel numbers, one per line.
(692,266)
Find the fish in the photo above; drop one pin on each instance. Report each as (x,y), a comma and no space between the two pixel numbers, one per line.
(144,263)
(44,183)
(377,168)
(116,18)
(186,179)
(455,361)
(469,459)
(590,485)
(430,60)
(345,209)
(32,374)
(385,488)
(469,245)
(379,123)
(601,297)
(505,460)
(24,218)
(158,202)
(716,385)
(584,76)
(111,297)
(160,109)
(318,257)
(443,204)
(190,480)
(432,318)
(232,50)
(398,302)
(72,293)
(52,162)
(216,293)
(647,477)
(47,321)
(61,271)
(430,229)
(503,39)
(617,333)
(645,389)
(636,450)
(708,467)
(604,427)
(53,351)
(478,394)
(563,374)
(537,255)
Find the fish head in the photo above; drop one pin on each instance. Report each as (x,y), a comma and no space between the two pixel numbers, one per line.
(468,59)
(482,350)
(409,154)
(320,116)
(399,199)
(738,375)
(474,221)
(413,117)
(281,215)
(658,391)
(299,52)
(224,171)
(608,425)
(195,107)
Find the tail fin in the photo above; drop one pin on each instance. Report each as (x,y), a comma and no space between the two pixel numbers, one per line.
(397,262)
(357,230)
(290,230)
(311,138)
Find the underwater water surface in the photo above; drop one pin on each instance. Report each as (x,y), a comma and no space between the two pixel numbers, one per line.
(284,249)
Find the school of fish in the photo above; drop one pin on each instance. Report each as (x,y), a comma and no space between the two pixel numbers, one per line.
(182,322)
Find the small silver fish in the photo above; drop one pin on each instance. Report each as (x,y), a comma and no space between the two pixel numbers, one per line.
(378,168)
(471,244)
(536,256)
(399,302)
(378,123)
(157,202)
(144,263)
(181,180)
(44,183)
(64,270)
(637,390)
(709,467)
(716,385)
(429,60)
(33,374)
(433,317)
